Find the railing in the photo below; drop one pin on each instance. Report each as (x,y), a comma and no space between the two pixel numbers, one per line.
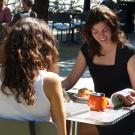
(61,5)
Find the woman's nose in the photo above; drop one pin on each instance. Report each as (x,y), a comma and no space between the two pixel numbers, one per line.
(101,35)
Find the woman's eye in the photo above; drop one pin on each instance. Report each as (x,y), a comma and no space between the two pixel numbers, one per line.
(94,32)
(106,30)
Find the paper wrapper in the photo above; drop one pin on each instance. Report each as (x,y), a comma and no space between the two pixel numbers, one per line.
(118,102)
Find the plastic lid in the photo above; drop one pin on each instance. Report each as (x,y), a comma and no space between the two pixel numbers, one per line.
(98,94)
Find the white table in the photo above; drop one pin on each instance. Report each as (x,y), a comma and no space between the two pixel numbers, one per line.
(107,117)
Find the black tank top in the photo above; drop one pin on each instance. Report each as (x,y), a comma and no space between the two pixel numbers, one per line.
(110,78)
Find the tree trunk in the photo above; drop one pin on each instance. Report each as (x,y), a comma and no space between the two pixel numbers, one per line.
(41,7)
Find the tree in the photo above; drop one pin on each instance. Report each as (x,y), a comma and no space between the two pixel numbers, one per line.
(41,7)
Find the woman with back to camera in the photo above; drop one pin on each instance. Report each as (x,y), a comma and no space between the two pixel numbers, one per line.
(111,62)
(30,89)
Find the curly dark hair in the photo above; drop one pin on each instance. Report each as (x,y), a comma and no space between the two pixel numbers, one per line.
(101,13)
(29,48)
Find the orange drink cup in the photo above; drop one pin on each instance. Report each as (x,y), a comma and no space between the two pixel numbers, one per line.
(97,102)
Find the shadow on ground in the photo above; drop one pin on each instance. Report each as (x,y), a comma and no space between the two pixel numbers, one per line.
(68,53)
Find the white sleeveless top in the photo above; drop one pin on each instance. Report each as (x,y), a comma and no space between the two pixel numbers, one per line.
(11,109)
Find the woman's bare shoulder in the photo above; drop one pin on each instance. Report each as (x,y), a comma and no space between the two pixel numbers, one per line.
(51,77)
(52,84)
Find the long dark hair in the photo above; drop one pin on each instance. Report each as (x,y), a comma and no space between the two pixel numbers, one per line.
(29,48)
(101,13)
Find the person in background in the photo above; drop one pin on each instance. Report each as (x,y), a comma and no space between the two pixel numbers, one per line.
(111,62)
(5,18)
(5,13)
(26,11)
(30,87)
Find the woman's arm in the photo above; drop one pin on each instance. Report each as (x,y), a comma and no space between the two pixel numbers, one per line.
(130,99)
(53,89)
(131,70)
(75,74)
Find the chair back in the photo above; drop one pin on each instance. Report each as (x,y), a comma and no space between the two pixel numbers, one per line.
(46,128)
(13,127)
(82,17)
(50,16)
(62,17)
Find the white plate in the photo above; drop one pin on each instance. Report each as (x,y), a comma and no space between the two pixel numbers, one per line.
(80,99)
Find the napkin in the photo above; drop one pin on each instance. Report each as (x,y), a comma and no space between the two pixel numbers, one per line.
(75,109)
(114,97)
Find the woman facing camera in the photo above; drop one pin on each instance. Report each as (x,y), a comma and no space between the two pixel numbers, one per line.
(111,62)
(30,88)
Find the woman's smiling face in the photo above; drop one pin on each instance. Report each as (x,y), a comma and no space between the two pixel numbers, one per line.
(102,33)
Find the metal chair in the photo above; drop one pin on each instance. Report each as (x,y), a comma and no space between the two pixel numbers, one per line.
(14,127)
(80,19)
(79,22)
(50,19)
(45,128)
(63,22)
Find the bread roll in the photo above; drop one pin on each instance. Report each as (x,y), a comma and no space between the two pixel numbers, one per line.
(84,92)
